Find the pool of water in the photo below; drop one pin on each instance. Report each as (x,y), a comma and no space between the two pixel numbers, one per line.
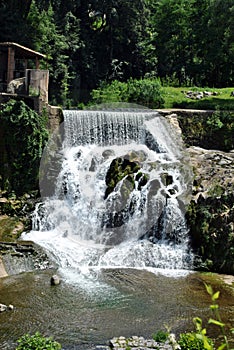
(104,303)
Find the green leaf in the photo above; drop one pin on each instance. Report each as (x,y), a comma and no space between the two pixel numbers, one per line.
(217,323)
(207,346)
(198,323)
(214,307)
(209,289)
(203,332)
(223,346)
(215,296)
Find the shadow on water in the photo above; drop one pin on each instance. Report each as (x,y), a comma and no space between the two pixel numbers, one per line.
(118,302)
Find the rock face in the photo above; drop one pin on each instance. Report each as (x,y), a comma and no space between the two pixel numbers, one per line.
(210,215)
(213,172)
(23,256)
(211,212)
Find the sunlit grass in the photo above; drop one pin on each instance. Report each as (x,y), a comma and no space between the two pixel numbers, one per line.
(175,97)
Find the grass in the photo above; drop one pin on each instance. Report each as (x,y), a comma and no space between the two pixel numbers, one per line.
(175,98)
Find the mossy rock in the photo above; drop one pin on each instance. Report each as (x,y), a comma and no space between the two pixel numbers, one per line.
(119,169)
(10,228)
(166,179)
(124,167)
(210,222)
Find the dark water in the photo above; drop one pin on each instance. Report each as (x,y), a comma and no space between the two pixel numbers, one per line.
(105,304)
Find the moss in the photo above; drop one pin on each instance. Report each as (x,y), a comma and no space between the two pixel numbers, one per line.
(211,230)
(210,130)
(10,228)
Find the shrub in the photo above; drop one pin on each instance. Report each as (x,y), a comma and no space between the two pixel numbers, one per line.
(113,92)
(145,92)
(37,342)
(160,336)
(191,342)
(25,135)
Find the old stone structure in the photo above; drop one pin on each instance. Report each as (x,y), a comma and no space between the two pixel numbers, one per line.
(18,81)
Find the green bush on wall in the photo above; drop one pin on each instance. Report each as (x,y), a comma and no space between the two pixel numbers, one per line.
(24,137)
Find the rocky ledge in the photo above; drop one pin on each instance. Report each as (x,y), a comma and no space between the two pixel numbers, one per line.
(213,172)
(22,256)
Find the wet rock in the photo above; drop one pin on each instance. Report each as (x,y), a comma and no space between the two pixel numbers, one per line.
(3,307)
(55,280)
(119,168)
(108,153)
(166,179)
(173,120)
(23,256)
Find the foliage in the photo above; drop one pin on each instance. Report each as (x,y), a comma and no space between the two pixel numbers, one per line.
(211,232)
(190,341)
(113,92)
(217,321)
(25,135)
(37,342)
(199,340)
(145,92)
(213,130)
(160,336)
(183,42)
(175,97)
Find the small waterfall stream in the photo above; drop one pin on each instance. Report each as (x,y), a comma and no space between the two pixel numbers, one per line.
(120,187)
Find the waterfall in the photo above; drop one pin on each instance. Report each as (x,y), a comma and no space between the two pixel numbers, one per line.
(121,182)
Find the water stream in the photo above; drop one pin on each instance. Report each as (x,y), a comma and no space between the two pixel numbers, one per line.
(140,222)
(121,251)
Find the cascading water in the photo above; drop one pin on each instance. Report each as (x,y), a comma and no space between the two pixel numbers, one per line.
(120,185)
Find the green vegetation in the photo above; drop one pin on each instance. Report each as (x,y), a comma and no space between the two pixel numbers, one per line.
(25,134)
(148,92)
(175,97)
(145,92)
(37,342)
(198,340)
(211,232)
(210,131)
(8,228)
(160,336)
(182,42)
(192,342)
